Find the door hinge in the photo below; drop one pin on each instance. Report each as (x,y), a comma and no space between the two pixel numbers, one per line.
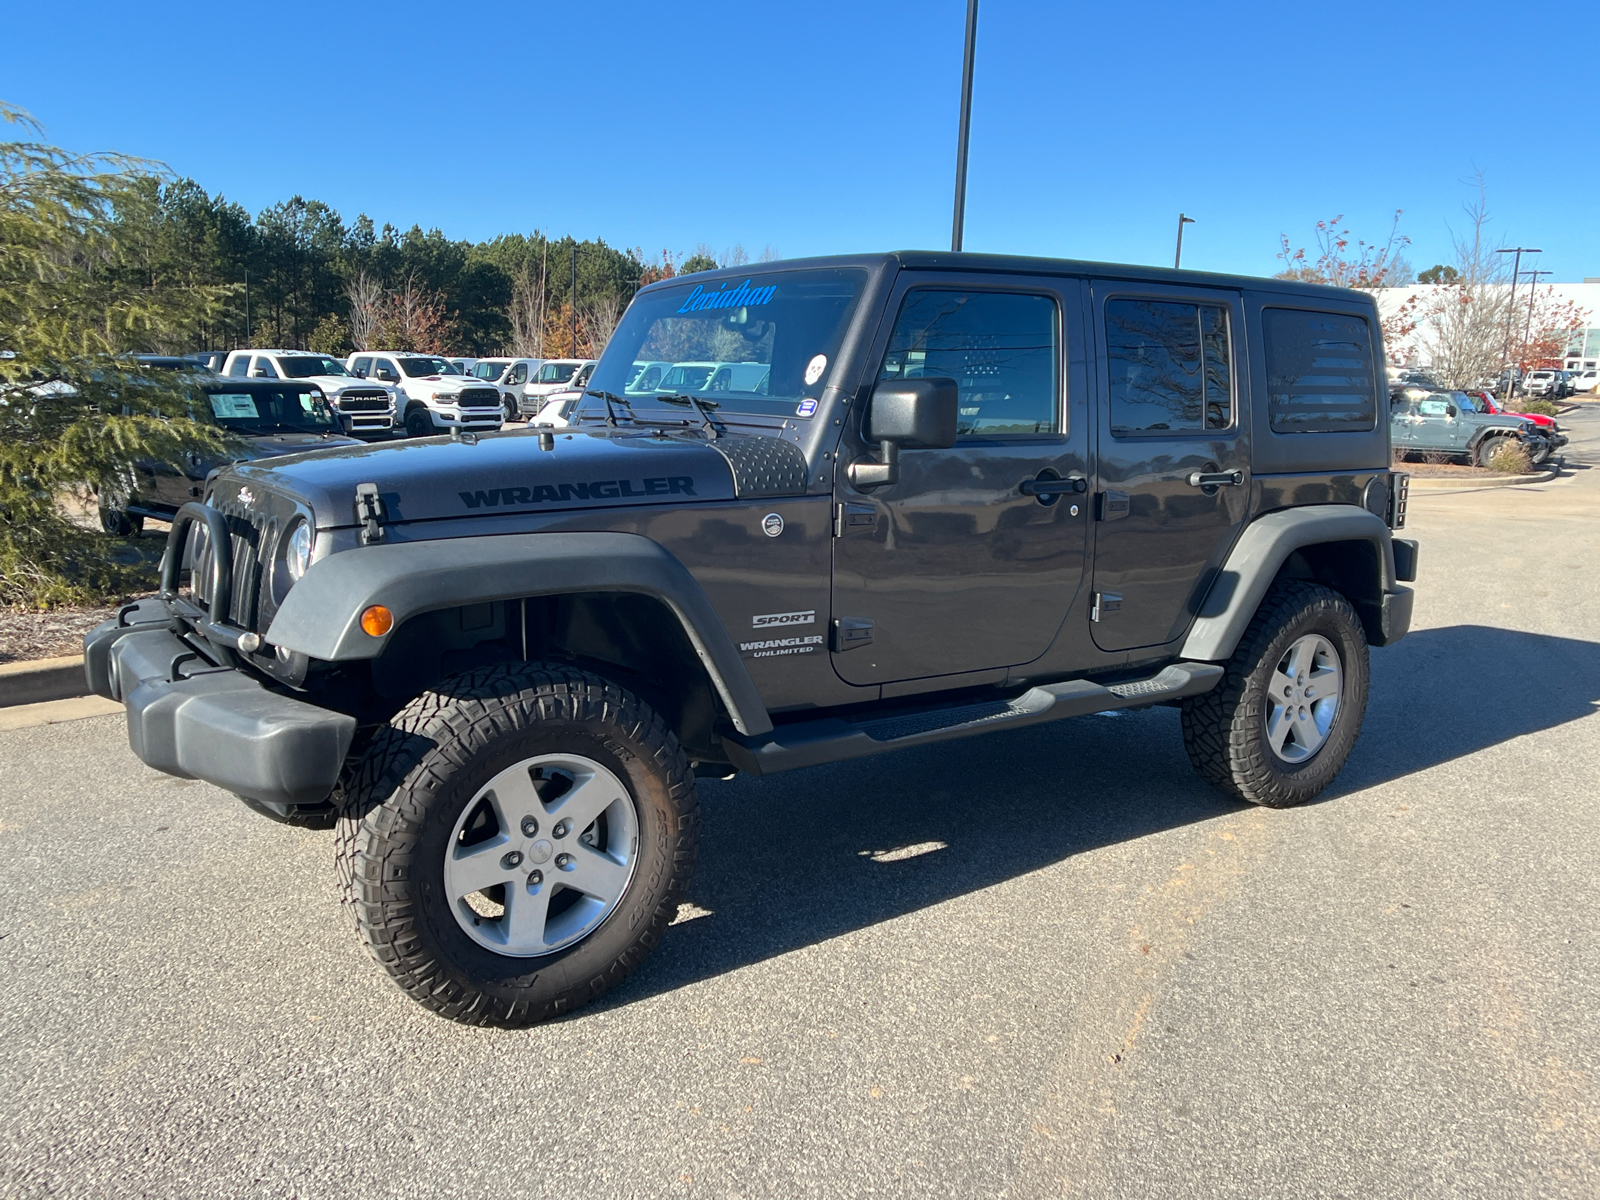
(1105,602)
(369,511)
(847,517)
(851,633)
(1111,506)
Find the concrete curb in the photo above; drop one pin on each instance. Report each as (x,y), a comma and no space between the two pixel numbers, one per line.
(1478,485)
(42,680)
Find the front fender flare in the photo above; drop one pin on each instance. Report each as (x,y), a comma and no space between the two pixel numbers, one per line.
(1259,555)
(321,615)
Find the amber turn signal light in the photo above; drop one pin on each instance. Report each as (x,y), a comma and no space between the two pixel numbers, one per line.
(377,620)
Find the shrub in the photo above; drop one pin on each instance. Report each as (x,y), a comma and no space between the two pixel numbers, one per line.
(1511,459)
(1542,407)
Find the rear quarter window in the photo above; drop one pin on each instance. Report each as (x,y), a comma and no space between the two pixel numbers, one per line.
(1320,373)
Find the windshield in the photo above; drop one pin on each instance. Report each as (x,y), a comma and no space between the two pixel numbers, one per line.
(556,372)
(416,368)
(762,345)
(304,366)
(263,410)
(490,369)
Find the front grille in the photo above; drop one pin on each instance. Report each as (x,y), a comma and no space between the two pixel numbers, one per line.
(363,403)
(250,532)
(478,398)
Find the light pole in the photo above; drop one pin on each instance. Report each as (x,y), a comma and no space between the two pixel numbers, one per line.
(247,308)
(574,297)
(1511,309)
(1177,259)
(1533,287)
(958,224)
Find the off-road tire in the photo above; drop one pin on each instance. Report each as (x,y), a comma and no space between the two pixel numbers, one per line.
(300,816)
(419,424)
(121,524)
(1225,731)
(399,807)
(1489,447)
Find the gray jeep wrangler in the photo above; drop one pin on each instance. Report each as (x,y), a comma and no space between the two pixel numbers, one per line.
(941,495)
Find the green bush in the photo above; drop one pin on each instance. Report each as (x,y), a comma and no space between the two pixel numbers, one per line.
(1511,459)
(1542,407)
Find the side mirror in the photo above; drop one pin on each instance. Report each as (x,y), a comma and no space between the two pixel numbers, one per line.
(1450,410)
(910,414)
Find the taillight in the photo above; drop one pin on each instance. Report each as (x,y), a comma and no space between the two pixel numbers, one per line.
(1399,490)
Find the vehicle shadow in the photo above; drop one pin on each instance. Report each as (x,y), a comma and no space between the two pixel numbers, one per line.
(797,859)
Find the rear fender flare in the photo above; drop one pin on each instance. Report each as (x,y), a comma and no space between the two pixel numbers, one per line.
(321,615)
(1258,557)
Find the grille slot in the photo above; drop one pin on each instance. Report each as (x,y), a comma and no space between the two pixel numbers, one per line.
(473,397)
(358,403)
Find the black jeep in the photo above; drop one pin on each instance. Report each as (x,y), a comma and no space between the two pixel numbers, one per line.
(934,495)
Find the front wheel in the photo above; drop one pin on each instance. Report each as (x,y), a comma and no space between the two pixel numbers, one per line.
(516,841)
(1282,722)
(121,524)
(418,423)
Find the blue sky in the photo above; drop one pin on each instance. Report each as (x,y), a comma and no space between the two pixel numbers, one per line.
(823,127)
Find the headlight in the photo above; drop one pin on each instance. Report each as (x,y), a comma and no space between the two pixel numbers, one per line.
(297,551)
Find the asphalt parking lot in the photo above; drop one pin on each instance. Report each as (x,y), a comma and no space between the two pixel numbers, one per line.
(1050,962)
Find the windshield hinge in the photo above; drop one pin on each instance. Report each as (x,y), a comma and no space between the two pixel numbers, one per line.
(369,512)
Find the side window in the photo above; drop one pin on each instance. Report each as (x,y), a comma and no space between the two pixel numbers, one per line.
(361,367)
(264,368)
(240,368)
(1433,408)
(383,369)
(1171,366)
(1320,374)
(519,374)
(1001,348)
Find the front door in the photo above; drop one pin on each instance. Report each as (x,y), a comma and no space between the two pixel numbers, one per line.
(956,567)
(1172,487)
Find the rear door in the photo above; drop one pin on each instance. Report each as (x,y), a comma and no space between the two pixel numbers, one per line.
(1173,473)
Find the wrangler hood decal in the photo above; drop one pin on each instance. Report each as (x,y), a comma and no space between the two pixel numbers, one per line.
(502,473)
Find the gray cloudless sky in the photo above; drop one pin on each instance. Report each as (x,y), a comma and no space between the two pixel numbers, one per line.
(826,127)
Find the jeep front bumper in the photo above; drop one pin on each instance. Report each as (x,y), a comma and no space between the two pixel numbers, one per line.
(190,718)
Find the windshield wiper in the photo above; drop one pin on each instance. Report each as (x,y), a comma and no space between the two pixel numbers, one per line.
(611,412)
(703,407)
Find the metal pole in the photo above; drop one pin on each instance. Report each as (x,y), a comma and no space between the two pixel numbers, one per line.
(1533,286)
(1511,306)
(574,298)
(247,308)
(1177,259)
(958,225)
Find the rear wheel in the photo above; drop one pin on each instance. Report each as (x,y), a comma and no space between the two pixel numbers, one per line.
(516,841)
(1282,722)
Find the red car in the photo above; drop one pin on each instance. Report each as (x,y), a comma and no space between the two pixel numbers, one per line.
(1487,404)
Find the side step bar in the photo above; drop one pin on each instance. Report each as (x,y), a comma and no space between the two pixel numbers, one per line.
(833,739)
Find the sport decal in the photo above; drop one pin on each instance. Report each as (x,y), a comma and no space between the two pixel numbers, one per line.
(564,493)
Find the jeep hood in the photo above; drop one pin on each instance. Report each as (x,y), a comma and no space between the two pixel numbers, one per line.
(436,478)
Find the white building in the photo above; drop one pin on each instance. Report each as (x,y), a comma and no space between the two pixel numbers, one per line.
(1582,354)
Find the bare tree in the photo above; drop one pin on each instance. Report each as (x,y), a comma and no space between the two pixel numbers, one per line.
(528,313)
(366,310)
(733,258)
(768,254)
(1462,326)
(599,316)
(414,319)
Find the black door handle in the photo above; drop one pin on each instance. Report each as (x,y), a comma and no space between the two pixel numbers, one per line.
(1054,487)
(1216,478)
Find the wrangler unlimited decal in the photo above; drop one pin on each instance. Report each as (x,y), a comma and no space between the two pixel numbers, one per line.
(561,493)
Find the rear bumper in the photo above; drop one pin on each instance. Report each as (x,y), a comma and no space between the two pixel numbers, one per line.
(192,719)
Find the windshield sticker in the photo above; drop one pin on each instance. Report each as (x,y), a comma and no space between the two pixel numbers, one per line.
(779,646)
(805,408)
(600,489)
(743,296)
(768,620)
(234,405)
(815,368)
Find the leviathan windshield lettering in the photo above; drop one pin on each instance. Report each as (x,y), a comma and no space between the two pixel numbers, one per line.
(746,344)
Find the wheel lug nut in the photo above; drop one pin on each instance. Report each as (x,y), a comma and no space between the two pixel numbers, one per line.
(511,859)
(561,829)
(529,826)
(535,878)
(564,861)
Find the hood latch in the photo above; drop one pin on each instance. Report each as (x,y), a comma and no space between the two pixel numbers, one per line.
(369,511)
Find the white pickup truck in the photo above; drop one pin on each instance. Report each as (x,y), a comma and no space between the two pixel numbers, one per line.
(436,395)
(363,407)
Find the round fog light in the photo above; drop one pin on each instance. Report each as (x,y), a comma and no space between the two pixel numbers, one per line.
(377,620)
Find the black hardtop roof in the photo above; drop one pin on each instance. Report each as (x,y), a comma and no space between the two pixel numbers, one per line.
(946,260)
